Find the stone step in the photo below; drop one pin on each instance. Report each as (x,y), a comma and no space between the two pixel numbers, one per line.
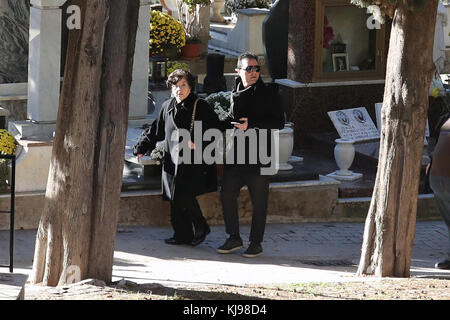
(12,285)
(289,202)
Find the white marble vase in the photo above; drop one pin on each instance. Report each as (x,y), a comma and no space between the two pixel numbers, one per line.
(344,154)
(286,136)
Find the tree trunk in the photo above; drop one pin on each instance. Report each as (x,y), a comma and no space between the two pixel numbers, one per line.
(75,238)
(390,223)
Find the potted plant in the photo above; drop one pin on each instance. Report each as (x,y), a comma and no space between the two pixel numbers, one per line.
(167,35)
(8,146)
(189,15)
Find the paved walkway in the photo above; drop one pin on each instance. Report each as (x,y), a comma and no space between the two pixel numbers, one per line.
(292,253)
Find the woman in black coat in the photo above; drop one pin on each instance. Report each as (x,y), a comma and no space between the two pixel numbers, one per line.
(182,182)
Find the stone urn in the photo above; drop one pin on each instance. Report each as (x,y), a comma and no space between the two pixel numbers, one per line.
(344,154)
(286,136)
(216,8)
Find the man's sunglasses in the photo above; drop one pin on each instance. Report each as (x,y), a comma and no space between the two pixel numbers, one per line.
(251,68)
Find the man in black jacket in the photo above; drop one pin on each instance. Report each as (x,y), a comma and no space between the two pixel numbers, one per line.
(256,106)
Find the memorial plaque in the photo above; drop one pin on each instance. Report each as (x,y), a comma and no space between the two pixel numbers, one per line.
(354,124)
(378,115)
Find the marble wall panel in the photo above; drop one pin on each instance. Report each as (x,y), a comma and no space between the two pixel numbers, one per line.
(14,22)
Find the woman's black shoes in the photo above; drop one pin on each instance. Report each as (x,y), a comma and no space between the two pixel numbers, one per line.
(200,237)
(174,241)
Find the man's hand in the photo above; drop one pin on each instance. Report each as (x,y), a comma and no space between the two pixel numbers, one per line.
(242,126)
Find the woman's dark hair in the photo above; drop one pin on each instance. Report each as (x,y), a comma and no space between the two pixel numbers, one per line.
(179,74)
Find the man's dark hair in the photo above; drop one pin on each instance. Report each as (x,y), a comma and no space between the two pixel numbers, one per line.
(246,55)
(179,74)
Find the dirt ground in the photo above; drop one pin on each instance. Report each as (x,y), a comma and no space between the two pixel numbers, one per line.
(373,289)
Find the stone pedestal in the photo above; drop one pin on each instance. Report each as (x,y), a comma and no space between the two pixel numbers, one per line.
(35,136)
(44,60)
(139,84)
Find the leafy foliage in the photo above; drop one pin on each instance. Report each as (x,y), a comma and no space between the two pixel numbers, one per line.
(189,15)
(173,65)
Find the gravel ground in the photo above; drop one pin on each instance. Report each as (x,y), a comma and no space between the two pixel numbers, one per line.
(372,289)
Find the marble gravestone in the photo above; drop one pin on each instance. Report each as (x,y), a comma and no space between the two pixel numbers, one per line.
(275,39)
(14,22)
(354,124)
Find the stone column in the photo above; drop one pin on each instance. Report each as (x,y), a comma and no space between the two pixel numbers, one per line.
(204,29)
(44,60)
(139,84)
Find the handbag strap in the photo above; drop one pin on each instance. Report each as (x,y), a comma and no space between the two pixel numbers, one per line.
(193,116)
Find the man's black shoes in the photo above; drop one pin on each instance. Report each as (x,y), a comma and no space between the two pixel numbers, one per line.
(443,265)
(231,245)
(253,250)
(200,237)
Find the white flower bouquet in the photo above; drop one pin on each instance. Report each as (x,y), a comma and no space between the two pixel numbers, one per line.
(220,102)
(158,153)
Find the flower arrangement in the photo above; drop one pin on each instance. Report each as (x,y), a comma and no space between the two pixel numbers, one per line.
(158,153)
(189,14)
(173,65)
(220,102)
(328,34)
(165,32)
(233,5)
(7,143)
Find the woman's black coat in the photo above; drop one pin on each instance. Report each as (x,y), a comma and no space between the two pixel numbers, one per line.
(180,179)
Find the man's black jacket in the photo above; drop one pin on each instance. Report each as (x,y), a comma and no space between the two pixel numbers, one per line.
(262,105)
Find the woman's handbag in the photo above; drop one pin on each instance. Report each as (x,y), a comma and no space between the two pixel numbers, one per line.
(191,144)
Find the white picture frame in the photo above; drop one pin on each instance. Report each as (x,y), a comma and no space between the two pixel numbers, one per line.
(340,62)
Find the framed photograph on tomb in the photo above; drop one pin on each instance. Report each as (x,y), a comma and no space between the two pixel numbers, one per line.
(338,23)
(340,62)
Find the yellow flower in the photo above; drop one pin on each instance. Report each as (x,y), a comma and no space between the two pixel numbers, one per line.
(435,92)
(165,31)
(7,142)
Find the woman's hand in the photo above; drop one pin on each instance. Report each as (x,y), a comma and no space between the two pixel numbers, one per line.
(242,126)
(139,156)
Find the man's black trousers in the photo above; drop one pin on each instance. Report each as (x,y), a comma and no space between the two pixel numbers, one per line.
(234,178)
